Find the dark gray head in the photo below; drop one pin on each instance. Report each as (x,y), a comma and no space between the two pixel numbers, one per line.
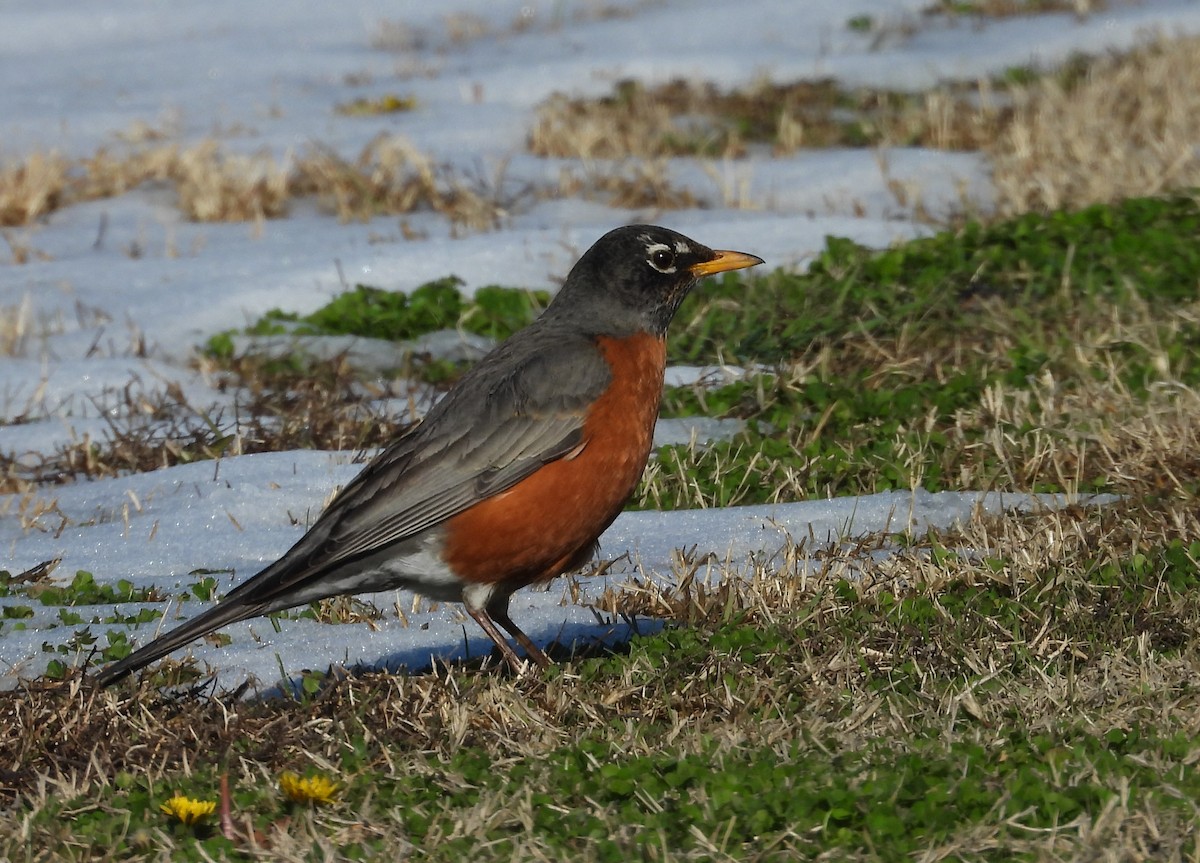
(634,278)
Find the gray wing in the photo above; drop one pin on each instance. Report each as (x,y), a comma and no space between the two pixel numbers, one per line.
(490,432)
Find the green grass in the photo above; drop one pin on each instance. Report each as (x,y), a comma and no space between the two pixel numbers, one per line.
(1080,262)
(803,798)
(83,602)
(83,590)
(883,355)
(492,311)
(1022,688)
(742,728)
(798,798)
(883,361)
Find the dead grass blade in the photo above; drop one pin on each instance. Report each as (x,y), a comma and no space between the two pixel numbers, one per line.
(1128,127)
(32,188)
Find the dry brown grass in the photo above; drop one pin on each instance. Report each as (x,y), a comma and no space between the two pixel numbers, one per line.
(603,129)
(106,174)
(15,325)
(219,187)
(32,188)
(1143,445)
(1106,128)
(1067,430)
(1129,127)
(1146,446)
(1126,126)
(629,183)
(459,29)
(390,176)
(211,185)
(686,118)
(886,682)
(624,142)
(319,405)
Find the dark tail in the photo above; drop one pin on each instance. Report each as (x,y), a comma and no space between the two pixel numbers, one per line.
(219,615)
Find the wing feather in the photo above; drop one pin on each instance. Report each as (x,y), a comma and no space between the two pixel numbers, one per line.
(489,433)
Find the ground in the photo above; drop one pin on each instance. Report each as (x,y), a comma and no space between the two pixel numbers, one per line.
(979,221)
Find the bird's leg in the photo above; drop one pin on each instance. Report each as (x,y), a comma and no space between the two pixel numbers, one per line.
(498,610)
(488,607)
(486,624)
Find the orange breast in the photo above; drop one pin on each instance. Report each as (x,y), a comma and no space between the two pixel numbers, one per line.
(538,527)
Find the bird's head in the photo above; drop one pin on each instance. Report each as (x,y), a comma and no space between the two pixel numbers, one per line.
(634,278)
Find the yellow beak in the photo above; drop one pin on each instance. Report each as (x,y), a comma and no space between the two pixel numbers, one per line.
(723,262)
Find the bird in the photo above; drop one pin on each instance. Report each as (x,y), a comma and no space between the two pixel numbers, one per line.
(512,476)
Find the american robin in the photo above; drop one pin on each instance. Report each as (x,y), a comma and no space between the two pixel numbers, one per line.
(513,475)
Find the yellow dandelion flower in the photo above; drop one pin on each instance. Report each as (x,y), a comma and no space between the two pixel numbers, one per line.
(187,810)
(303,789)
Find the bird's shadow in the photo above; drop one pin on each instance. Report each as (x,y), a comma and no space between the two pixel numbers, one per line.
(573,643)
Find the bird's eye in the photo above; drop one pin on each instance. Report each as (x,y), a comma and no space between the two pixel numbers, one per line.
(662,259)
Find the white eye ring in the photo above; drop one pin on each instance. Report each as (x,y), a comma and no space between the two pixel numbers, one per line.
(661,257)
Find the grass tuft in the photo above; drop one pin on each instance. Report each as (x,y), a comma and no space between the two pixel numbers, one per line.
(1126,127)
